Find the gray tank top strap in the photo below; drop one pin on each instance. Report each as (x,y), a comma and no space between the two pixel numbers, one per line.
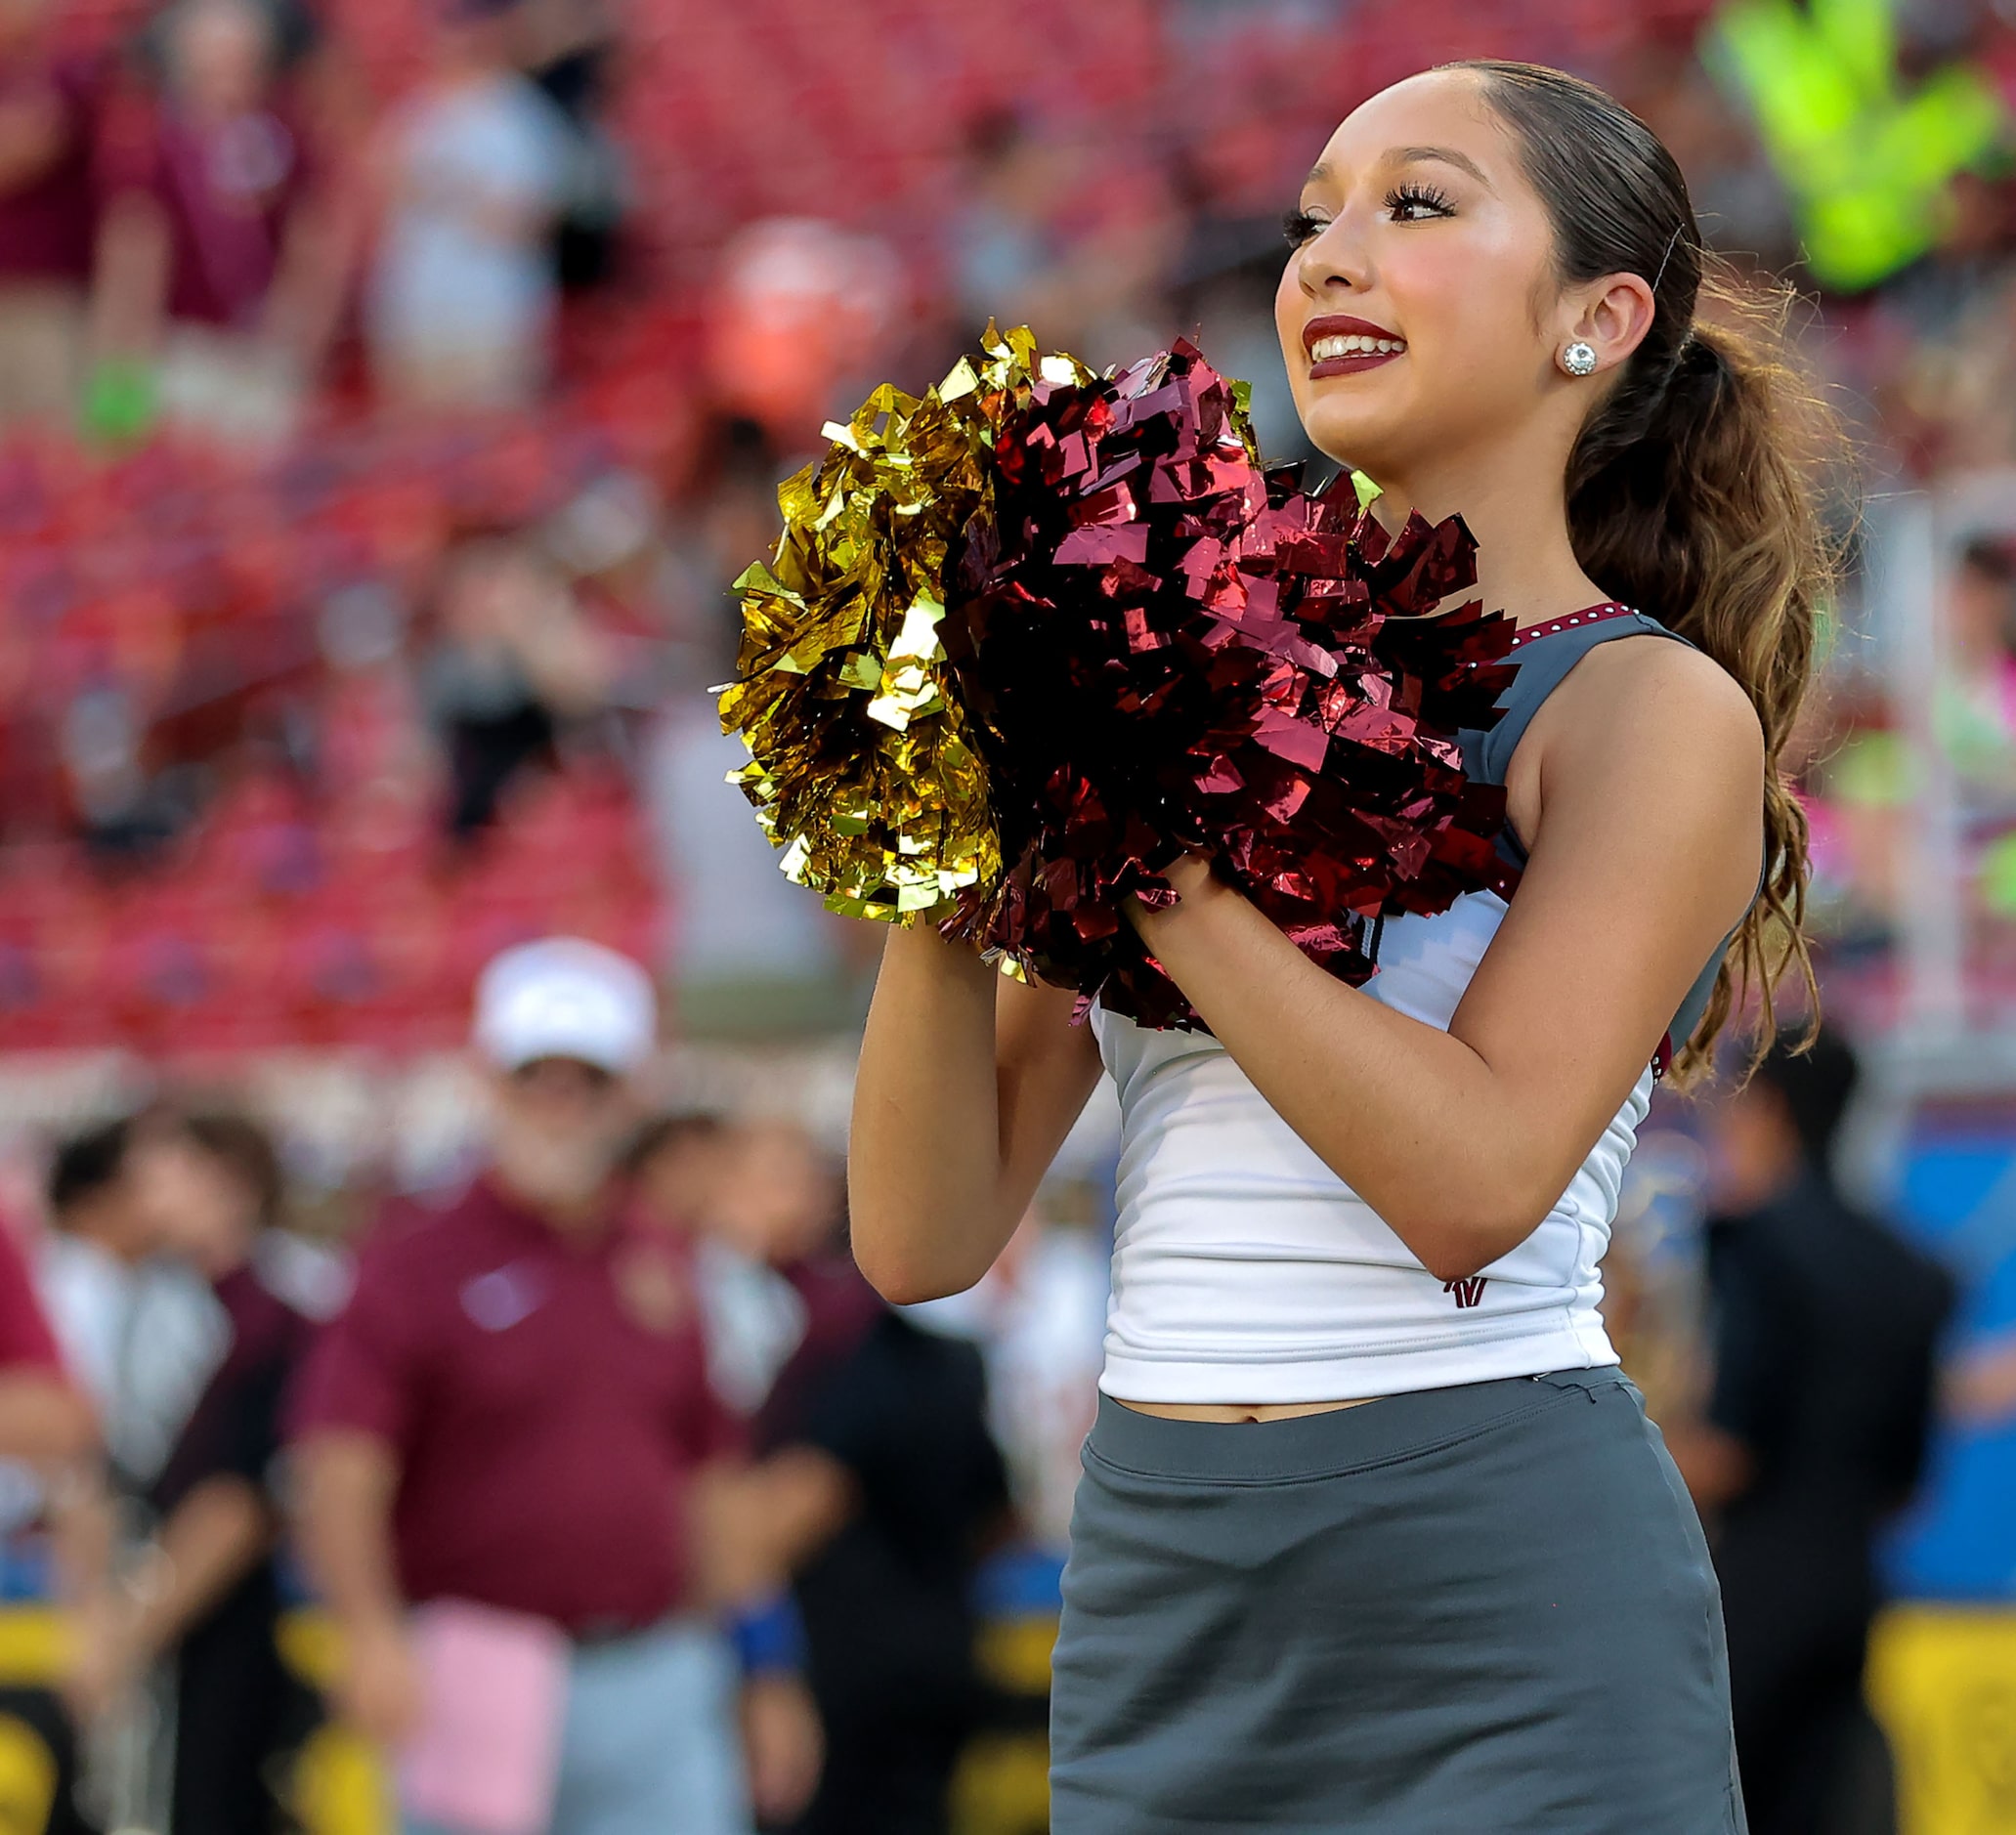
(1545,653)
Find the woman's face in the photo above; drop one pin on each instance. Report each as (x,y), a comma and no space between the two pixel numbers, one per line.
(1424,247)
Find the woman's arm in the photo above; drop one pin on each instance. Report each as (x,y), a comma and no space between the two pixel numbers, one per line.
(968,1084)
(1645,853)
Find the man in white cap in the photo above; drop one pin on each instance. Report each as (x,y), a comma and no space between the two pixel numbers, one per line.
(513,1465)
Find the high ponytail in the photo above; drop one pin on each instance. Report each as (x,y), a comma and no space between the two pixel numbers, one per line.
(1695,490)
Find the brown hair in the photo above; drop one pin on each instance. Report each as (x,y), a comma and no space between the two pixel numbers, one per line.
(1695,488)
(247,1151)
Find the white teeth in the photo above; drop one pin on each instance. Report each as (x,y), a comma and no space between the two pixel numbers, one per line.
(1355,345)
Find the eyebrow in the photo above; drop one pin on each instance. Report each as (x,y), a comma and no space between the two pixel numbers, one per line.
(1449,156)
(1414,156)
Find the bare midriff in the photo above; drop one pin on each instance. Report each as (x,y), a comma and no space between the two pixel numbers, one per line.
(1240,1411)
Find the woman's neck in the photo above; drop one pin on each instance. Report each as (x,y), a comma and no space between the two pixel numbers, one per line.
(1526,564)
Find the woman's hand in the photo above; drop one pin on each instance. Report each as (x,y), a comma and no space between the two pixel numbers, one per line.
(1646,824)
(1197,885)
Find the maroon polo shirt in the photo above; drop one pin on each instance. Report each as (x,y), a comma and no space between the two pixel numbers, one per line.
(26,1344)
(547,1399)
(228,192)
(48,224)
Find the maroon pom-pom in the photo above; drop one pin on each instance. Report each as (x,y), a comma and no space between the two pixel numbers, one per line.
(1165,647)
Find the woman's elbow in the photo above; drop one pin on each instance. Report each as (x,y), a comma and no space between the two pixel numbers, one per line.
(901,1285)
(1456,1245)
(905,1274)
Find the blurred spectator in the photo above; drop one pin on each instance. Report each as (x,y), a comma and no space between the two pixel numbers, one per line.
(1006,246)
(1824,1335)
(753,948)
(1951,325)
(140,1329)
(121,810)
(803,313)
(755,1320)
(887,1490)
(143,1333)
(513,1414)
(45,1423)
(43,1417)
(49,108)
(479,167)
(570,48)
(513,664)
(224,246)
(1041,1321)
(1080,249)
(208,1595)
(1975,712)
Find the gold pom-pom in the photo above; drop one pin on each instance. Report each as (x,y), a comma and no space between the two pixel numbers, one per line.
(862,767)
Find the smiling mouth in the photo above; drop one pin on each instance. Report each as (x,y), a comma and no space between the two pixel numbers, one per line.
(1345,353)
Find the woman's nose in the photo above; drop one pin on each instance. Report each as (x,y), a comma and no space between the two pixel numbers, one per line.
(1332,260)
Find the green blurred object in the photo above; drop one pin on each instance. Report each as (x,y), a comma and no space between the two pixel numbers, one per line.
(1868,167)
(1999,876)
(1874,769)
(120,402)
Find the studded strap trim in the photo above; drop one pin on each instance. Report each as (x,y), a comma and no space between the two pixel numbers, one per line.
(1595,614)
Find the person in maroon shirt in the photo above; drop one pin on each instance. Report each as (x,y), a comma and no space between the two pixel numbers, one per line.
(227,236)
(49,108)
(513,1412)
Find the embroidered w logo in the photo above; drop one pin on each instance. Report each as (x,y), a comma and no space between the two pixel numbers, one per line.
(1468,1291)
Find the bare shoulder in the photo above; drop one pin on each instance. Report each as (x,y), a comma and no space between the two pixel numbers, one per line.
(1647,759)
(1647,706)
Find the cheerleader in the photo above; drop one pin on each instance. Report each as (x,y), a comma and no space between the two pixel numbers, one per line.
(1373,1534)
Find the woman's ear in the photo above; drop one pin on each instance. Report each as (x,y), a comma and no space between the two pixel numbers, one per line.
(1616,314)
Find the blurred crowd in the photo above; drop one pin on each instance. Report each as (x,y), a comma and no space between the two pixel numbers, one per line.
(593,1490)
(389,391)
(616,1484)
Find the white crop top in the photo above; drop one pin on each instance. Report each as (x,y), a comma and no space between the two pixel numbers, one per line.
(1245,1270)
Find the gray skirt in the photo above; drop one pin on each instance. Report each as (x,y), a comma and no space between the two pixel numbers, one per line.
(1487,1607)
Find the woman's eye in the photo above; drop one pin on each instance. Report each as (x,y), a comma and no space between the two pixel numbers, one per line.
(1298,226)
(1417,204)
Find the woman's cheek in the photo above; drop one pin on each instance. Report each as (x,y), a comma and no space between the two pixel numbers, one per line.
(1288,317)
(1467,297)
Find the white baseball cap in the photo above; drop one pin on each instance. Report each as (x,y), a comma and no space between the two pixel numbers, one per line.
(564,997)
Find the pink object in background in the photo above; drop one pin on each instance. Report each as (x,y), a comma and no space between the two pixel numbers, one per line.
(487,1758)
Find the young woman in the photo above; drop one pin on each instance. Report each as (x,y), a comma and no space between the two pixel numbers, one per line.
(1449,1580)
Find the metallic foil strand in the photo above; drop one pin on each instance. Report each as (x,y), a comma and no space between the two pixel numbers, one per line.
(1030,637)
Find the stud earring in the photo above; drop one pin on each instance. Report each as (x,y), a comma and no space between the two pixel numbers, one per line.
(1579,359)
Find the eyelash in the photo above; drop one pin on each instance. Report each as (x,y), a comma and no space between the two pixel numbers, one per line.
(1424,196)
(1298,226)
